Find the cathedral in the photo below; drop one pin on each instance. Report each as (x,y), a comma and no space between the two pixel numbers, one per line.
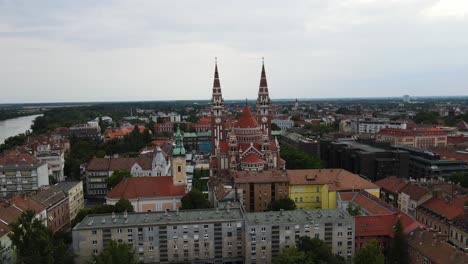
(247,144)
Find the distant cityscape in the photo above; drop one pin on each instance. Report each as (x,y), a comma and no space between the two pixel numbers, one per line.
(242,181)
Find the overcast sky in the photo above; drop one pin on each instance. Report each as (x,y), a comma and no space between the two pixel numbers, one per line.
(91,50)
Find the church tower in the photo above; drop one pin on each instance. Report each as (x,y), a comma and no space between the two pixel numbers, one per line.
(264,104)
(217,111)
(179,161)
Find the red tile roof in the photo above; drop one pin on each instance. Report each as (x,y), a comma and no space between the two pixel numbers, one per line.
(392,184)
(382,225)
(137,187)
(246,119)
(252,158)
(412,132)
(223,147)
(336,179)
(449,209)
(14,157)
(414,191)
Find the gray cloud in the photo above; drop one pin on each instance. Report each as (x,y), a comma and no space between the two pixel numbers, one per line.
(152,50)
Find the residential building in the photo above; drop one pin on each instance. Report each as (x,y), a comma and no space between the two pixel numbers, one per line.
(284,124)
(57,207)
(367,203)
(55,162)
(85,131)
(373,163)
(390,188)
(318,188)
(21,172)
(381,228)
(257,189)
(74,191)
(423,138)
(411,196)
(427,247)
(226,235)
(148,194)
(99,169)
(438,212)
(374,125)
(166,127)
(459,231)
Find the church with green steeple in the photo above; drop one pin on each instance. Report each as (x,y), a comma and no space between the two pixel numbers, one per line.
(179,175)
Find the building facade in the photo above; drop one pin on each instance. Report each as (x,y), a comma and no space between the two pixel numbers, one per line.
(423,138)
(227,235)
(74,191)
(21,172)
(374,125)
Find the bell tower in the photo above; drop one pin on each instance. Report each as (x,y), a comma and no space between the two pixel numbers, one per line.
(217,111)
(264,104)
(179,176)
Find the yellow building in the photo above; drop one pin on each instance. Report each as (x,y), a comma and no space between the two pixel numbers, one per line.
(318,188)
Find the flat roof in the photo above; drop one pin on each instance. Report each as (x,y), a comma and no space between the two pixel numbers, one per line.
(298,216)
(188,217)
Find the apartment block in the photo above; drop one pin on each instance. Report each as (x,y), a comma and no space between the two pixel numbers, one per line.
(20,172)
(374,125)
(227,235)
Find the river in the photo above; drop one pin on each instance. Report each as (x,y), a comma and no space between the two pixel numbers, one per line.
(15,126)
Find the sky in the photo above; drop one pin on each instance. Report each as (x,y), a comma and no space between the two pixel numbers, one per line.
(87,50)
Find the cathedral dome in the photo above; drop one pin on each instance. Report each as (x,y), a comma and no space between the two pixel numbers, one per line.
(246,119)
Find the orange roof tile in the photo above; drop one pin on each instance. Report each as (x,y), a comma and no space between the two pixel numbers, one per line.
(450,209)
(246,119)
(138,187)
(392,184)
(252,158)
(336,179)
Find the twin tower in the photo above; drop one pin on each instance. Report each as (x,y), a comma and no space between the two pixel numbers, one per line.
(219,121)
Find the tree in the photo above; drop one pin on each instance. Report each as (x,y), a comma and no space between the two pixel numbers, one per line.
(292,256)
(275,127)
(194,200)
(309,251)
(353,209)
(370,253)
(318,251)
(398,251)
(123,205)
(297,159)
(35,243)
(296,118)
(115,253)
(461,178)
(116,177)
(283,203)
(427,117)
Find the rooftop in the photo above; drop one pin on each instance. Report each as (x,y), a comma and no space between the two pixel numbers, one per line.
(449,208)
(434,248)
(312,216)
(189,217)
(138,187)
(336,179)
(260,176)
(392,184)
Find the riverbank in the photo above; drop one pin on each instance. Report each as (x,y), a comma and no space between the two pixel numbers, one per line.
(15,126)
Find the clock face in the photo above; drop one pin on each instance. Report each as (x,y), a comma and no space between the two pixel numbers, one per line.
(218,120)
(264,119)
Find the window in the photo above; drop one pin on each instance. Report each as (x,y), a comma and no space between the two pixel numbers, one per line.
(205,236)
(263,239)
(174,227)
(130,230)
(151,248)
(229,225)
(119,230)
(340,224)
(317,236)
(263,229)
(340,234)
(252,230)
(317,189)
(94,242)
(350,233)
(95,251)
(253,239)
(179,168)
(253,248)
(317,199)
(340,243)
(94,232)
(286,228)
(150,229)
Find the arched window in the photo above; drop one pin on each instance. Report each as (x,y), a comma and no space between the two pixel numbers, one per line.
(179,168)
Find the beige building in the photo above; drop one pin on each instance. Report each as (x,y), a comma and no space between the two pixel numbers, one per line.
(228,235)
(458,234)
(423,138)
(74,191)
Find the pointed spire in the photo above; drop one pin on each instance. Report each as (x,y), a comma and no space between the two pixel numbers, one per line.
(216,83)
(263,79)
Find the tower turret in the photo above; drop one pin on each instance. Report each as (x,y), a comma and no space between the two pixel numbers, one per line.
(264,104)
(217,110)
